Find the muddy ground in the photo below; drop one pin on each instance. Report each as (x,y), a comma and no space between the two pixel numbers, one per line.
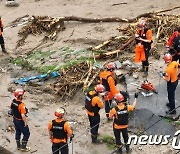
(76,36)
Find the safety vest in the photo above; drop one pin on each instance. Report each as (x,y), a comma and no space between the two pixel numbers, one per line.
(88,103)
(106,84)
(122,116)
(176,43)
(15,110)
(143,36)
(58,130)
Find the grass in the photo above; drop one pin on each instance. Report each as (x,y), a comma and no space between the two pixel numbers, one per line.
(110,142)
(48,68)
(31,62)
(39,54)
(21,61)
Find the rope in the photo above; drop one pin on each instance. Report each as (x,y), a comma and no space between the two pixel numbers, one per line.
(76,137)
(153,125)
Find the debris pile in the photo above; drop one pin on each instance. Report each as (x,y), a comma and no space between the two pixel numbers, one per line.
(74,78)
(162,25)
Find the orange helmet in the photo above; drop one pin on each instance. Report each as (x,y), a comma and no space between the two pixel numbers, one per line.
(119,97)
(59,112)
(100,88)
(141,23)
(111,66)
(18,92)
(167,57)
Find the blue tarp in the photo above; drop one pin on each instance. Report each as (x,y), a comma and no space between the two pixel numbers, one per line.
(27,79)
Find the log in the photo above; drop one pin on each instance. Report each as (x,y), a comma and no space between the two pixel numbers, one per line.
(93,78)
(92,20)
(87,78)
(107,42)
(116,51)
(167,10)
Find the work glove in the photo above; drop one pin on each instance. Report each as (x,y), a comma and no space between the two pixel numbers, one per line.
(136,35)
(135,95)
(162,74)
(72,136)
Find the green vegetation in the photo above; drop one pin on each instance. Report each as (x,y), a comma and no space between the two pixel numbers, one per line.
(21,61)
(110,141)
(39,60)
(48,68)
(39,54)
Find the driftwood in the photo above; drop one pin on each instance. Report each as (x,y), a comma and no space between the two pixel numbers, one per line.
(74,78)
(51,26)
(120,49)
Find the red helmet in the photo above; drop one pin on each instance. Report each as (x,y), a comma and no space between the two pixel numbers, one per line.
(111,65)
(100,88)
(167,57)
(119,97)
(142,23)
(18,92)
(59,112)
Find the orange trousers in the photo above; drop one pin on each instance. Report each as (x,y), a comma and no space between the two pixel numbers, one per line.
(139,53)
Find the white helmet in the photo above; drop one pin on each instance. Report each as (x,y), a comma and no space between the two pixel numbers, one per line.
(59,112)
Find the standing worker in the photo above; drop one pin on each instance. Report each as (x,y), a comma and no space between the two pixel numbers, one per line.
(171,76)
(173,45)
(59,131)
(143,45)
(1,36)
(107,79)
(20,120)
(120,125)
(93,104)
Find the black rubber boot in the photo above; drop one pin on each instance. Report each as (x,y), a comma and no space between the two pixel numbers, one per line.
(146,68)
(128,150)
(94,139)
(3,48)
(18,144)
(119,149)
(142,69)
(24,146)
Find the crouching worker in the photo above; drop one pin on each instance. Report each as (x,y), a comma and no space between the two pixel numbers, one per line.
(120,125)
(59,131)
(93,104)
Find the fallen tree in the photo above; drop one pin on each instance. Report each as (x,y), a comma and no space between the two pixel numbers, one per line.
(51,26)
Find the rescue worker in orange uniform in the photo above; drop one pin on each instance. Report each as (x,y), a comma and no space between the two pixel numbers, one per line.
(173,45)
(1,36)
(107,79)
(143,45)
(19,112)
(93,104)
(171,76)
(59,131)
(120,115)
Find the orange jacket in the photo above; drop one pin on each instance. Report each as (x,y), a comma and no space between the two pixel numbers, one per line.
(95,100)
(107,75)
(148,35)
(170,41)
(1,26)
(66,129)
(114,114)
(172,71)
